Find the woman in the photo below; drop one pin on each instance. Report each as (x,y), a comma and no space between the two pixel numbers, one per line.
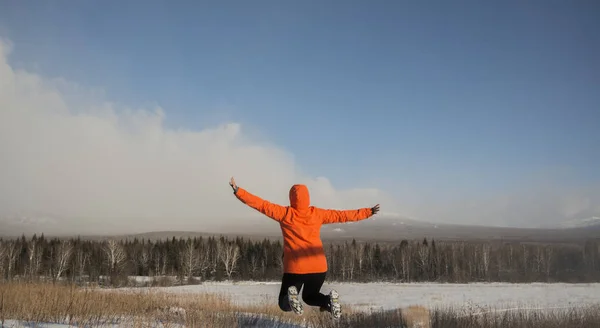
(304,261)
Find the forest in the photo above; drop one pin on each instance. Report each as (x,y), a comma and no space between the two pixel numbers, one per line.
(194,260)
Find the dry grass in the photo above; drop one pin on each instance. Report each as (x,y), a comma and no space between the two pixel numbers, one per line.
(37,302)
(420,317)
(67,304)
(580,317)
(72,305)
(417,316)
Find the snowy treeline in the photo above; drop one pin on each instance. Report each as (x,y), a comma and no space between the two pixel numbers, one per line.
(218,258)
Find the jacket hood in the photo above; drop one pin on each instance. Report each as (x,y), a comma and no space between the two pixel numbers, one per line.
(299,197)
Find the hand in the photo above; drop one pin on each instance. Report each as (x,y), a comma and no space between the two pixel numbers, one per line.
(375,209)
(233,185)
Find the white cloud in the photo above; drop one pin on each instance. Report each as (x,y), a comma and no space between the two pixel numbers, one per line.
(546,204)
(98,167)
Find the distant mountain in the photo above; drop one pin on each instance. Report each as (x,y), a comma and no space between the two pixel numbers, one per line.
(392,229)
(19,223)
(380,229)
(582,223)
(388,229)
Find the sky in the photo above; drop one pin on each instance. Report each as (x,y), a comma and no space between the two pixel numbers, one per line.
(470,112)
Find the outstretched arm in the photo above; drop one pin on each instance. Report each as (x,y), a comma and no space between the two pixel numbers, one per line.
(341,216)
(274,211)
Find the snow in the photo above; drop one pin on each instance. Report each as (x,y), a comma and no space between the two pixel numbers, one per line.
(384,296)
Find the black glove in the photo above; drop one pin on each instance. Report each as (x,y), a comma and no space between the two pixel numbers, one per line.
(375,209)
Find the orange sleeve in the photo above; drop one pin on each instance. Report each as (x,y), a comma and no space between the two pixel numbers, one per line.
(341,216)
(274,211)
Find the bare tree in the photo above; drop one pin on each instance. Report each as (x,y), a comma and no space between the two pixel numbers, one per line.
(82,258)
(456,267)
(264,259)
(472,259)
(8,256)
(329,255)
(485,260)
(228,253)
(3,257)
(190,261)
(446,261)
(164,261)
(423,259)
(351,261)
(280,261)
(133,254)
(511,255)
(510,265)
(61,257)
(35,258)
(360,256)
(213,258)
(115,258)
(144,259)
(441,261)
(156,260)
(370,255)
(548,261)
(539,259)
(394,257)
(526,259)
(254,264)
(406,260)
(500,261)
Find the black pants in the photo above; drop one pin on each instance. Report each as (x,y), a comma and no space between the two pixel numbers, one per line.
(311,293)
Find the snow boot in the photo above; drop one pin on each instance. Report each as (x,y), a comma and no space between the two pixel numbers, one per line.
(294,301)
(334,304)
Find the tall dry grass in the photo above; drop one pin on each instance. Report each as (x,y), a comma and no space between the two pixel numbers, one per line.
(580,317)
(68,304)
(419,317)
(94,306)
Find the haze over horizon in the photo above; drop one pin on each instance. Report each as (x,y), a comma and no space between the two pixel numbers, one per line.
(134,118)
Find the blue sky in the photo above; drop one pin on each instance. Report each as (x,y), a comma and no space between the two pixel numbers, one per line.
(436,99)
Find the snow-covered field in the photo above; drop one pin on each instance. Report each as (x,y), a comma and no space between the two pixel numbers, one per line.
(377,296)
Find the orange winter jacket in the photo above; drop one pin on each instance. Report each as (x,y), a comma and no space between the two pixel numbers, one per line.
(301,227)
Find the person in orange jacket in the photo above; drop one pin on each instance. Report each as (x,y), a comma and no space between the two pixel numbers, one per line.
(304,261)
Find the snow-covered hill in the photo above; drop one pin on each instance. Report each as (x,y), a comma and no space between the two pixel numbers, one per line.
(582,223)
(21,223)
(384,228)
